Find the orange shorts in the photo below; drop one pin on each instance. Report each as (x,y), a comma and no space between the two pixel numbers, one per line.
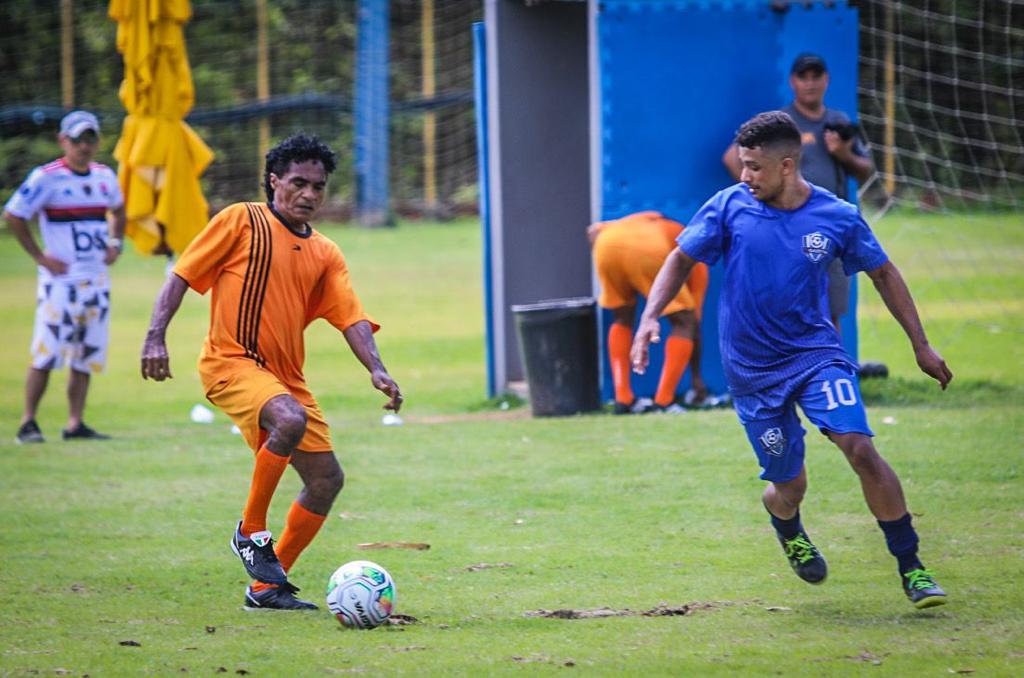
(242,396)
(627,264)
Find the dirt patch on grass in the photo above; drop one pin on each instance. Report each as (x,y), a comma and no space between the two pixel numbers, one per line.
(601,612)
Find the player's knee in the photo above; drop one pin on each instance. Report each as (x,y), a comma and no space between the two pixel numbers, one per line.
(290,426)
(326,486)
(683,321)
(792,493)
(861,454)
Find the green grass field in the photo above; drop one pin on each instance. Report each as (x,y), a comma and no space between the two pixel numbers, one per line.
(108,543)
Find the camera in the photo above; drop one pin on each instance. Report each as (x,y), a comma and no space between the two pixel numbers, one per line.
(845,130)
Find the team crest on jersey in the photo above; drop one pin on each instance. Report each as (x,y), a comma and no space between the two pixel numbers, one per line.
(773,442)
(815,246)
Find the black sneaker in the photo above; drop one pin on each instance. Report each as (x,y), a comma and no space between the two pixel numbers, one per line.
(29,433)
(804,558)
(83,432)
(257,554)
(638,406)
(281,597)
(921,589)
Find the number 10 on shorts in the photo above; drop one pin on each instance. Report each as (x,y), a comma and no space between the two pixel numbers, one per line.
(839,392)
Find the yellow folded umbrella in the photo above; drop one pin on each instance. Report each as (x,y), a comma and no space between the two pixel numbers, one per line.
(160,158)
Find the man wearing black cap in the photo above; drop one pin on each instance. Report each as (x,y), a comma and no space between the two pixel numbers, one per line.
(832,151)
(72,198)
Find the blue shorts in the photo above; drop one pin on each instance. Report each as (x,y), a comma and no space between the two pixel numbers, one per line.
(830,399)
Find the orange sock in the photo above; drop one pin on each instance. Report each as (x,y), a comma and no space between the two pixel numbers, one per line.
(620,340)
(677,357)
(299,530)
(265,477)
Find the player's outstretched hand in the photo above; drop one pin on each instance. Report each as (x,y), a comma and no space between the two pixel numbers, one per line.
(383,382)
(932,364)
(156,364)
(649,332)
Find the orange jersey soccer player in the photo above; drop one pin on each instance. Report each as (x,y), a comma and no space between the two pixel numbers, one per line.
(628,253)
(271,276)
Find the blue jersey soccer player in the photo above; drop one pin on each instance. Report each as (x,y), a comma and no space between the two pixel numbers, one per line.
(777,235)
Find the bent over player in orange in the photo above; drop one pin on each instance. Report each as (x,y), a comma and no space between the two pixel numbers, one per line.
(628,253)
(271,275)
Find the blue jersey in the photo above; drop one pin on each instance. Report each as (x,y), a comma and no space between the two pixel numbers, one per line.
(773,318)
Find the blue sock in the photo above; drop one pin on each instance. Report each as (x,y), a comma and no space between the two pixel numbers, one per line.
(788,528)
(901,538)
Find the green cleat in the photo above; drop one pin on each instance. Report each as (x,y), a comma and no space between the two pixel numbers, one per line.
(921,589)
(804,558)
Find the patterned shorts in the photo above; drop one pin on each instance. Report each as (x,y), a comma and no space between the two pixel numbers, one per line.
(72,324)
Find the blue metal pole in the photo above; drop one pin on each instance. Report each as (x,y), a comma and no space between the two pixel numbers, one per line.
(371,113)
(483,186)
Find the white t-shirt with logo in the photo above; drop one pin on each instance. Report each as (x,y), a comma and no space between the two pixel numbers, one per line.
(72,210)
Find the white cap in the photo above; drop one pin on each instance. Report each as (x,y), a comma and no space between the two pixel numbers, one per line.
(76,122)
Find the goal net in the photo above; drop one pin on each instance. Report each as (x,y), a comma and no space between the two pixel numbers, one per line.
(940,100)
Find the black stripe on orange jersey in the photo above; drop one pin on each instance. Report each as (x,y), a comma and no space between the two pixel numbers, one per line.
(243,299)
(254,284)
(261,287)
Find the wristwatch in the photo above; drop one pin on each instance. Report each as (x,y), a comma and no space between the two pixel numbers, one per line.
(115,243)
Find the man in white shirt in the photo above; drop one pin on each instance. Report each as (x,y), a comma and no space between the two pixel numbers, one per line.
(72,197)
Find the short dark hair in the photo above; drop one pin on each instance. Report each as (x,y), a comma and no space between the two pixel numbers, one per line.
(769,129)
(298,147)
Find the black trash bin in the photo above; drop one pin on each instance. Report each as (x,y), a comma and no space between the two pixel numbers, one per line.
(558,345)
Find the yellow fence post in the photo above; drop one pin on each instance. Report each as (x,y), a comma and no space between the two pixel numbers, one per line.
(429,117)
(262,75)
(67,53)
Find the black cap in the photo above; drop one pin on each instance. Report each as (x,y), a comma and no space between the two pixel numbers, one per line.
(807,61)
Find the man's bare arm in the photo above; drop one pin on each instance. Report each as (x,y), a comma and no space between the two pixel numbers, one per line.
(360,339)
(156,364)
(666,286)
(118,222)
(859,166)
(19,227)
(896,295)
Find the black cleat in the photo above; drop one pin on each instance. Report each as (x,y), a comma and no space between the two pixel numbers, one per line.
(638,406)
(83,432)
(281,597)
(804,558)
(257,555)
(921,589)
(29,433)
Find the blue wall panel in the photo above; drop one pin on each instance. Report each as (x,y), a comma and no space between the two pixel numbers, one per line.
(832,33)
(677,78)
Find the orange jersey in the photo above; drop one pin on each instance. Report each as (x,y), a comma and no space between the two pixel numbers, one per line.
(269,283)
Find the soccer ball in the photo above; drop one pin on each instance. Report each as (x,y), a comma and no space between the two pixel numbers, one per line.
(361,594)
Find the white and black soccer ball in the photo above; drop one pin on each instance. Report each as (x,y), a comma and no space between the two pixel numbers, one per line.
(361,594)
